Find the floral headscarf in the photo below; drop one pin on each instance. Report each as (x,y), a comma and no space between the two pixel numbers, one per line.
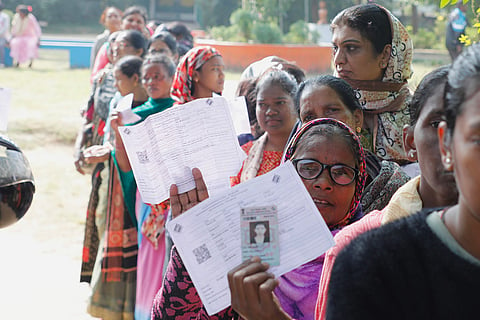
(384,102)
(361,177)
(183,80)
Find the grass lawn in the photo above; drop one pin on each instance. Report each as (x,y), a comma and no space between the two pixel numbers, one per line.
(41,254)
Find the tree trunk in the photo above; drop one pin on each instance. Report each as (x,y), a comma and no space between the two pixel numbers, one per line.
(414,18)
(152,14)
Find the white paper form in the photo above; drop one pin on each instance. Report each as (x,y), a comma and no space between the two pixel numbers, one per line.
(5,98)
(207,236)
(167,145)
(238,109)
(124,106)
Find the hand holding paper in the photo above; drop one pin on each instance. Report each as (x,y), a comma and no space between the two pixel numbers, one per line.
(124,107)
(208,236)
(5,97)
(251,289)
(181,202)
(165,147)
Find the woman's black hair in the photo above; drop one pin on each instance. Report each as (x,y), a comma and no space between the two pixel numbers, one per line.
(279,77)
(180,31)
(161,59)
(183,35)
(429,85)
(136,39)
(344,91)
(135,10)
(130,65)
(463,81)
(253,225)
(371,20)
(167,38)
(23,9)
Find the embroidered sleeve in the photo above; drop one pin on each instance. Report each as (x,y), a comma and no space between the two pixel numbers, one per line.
(178,298)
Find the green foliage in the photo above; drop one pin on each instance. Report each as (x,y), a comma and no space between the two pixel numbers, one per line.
(298,33)
(271,10)
(72,12)
(240,30)
(444,3)
(472,33)
(215,12)
(243,19)
(425,39)
(433,38)
(230,33)
(248,26)
(267,32)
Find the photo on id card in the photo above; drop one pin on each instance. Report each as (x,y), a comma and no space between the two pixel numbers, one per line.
(259,232)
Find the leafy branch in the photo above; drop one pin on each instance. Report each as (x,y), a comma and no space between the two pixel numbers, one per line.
(465,39)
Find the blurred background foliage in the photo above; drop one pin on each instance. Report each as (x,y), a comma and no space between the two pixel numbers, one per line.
(263,21)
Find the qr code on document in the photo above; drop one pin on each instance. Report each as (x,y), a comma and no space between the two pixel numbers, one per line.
(142,157)
(202,254)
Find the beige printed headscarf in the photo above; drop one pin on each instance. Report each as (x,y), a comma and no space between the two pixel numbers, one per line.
(385,102)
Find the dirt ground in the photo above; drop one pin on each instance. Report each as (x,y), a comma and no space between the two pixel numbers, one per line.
(41,254)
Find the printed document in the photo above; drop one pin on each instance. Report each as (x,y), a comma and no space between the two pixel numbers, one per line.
(5,98)
(208,238)
(165,147)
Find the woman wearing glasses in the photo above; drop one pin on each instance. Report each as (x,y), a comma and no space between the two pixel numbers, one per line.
(329,158)
(434,188)
(331,97)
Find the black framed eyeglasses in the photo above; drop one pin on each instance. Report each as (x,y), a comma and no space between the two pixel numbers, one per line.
(310,169)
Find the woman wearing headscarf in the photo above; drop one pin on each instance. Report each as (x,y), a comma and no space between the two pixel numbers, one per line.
(434,188)
(329,158)
(199,74)
(425,266)
(373,53)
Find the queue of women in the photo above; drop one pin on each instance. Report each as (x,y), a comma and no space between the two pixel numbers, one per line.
(405,248)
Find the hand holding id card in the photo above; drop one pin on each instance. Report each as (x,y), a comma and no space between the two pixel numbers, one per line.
(259,234)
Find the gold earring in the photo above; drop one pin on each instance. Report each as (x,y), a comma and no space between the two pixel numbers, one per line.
(359,129)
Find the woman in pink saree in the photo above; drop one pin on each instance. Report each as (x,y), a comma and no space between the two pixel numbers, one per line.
(25,36)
